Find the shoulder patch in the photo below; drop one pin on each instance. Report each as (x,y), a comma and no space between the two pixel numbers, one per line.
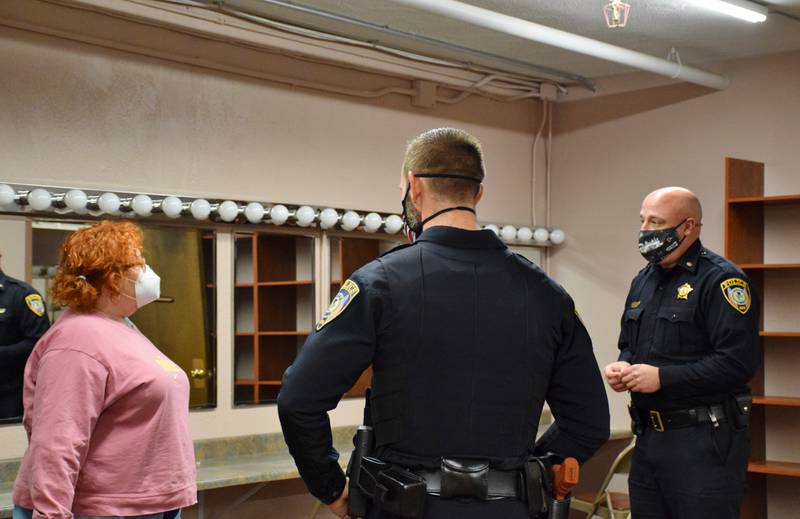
(35,304)
(340,302)
(737,294)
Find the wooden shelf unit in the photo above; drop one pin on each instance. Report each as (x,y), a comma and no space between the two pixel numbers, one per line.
(274,310)
(745,205)
(347,256)
(774,468)
(780,401)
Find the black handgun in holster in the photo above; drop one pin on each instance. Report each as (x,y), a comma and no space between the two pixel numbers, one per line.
(357,501)
(376,483)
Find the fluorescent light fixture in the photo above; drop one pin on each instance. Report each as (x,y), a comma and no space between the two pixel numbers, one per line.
(742,9)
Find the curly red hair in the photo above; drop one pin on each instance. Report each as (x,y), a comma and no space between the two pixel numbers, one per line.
(94,259)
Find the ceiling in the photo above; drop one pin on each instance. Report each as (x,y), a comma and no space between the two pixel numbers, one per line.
(654,27)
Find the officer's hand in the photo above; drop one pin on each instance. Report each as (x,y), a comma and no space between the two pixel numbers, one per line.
(339,507)
(641,378)
(613,374)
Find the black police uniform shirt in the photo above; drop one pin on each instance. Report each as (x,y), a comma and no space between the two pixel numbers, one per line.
(698,323)
(467,341)
(23,319)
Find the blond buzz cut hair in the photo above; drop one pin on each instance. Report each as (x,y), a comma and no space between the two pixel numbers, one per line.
(447,151)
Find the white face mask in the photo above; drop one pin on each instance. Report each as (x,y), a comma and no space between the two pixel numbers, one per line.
(147,287)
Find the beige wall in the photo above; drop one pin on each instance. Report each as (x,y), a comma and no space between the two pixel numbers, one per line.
(15,246)
(80,115)
(612,150)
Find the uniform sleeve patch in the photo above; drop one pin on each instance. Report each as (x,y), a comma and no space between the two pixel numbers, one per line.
(35,304)
(346,294)
(737,293)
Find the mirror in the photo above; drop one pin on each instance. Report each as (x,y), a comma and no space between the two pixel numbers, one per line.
(181,323)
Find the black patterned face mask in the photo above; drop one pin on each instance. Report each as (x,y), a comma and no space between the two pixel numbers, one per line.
(657,244)
(412,223)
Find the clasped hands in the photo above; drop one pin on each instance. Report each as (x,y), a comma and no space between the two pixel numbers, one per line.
(638,378)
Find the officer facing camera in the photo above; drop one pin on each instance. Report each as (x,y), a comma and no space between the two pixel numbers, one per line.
(23,319)
(688,347)
(467,341)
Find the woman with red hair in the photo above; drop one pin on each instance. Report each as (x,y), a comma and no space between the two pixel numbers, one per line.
(105,411)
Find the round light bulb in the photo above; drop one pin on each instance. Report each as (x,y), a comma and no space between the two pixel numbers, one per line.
(40,199)
(328,218)
(142,205)
(108,203)
(75,200)
(279,214)
(172,206)
(350,220)
(228,211)
(557,236)
(372,222)
(393,224)
(6,194)
(509,232)
(305,216)
(541,235)
(492,227)
(200,209)
(524,234)
(254,212)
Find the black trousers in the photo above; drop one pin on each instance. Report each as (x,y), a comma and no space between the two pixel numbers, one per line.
(690,473)
(436,508)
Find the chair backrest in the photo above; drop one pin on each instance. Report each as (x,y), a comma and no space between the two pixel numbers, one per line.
(620,465)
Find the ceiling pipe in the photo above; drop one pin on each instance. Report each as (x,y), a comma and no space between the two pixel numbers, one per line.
(566,40)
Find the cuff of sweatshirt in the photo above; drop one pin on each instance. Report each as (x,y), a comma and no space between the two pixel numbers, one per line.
(329,489)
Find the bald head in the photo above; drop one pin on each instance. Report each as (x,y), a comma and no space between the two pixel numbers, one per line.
(677,202)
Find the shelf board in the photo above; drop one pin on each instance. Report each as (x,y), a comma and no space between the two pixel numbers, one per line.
(245,382)
(243,285)
(270,382)
(245,334)
(282,334)
(776,468)
(778,334)
(295,282)
(780,401)
(781,199)
(768,266)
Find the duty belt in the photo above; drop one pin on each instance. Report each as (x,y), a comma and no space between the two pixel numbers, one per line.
(501,483)
(665,420)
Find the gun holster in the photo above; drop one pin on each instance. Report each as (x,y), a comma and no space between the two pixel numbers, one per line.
(637,426)
(537,482)
(392,488)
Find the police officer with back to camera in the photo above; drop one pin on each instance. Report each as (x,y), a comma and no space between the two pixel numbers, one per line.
(689,345)
(23,319)
(467,340)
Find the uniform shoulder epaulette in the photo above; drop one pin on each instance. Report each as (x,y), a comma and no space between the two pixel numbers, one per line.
(395,249)
(722,263)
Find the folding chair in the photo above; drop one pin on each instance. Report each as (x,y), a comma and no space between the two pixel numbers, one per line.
(609,505)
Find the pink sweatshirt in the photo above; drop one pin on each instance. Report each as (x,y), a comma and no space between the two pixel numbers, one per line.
(107,420)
